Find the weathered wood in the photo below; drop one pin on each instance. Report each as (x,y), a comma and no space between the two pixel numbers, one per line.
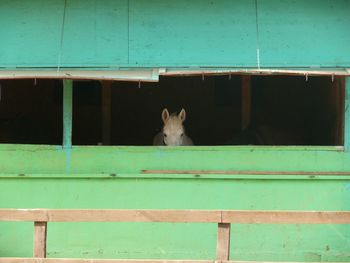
(106,112)
(79,260)
(244,172)
(286,217)
(40,232)
(67,113)
(223,242)
(180,216)
(47,215)
(336,104)
(246,102)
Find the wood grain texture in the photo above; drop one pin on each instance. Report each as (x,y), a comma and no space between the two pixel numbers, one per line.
(179,216)
(223,242)
(40,233)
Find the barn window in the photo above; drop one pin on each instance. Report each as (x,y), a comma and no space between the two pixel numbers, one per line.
(222,109)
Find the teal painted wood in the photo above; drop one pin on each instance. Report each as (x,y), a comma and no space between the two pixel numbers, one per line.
(347,115)
(193,33)
(155,33)
(304,33)
(67,113)
(30,32)
(95,33)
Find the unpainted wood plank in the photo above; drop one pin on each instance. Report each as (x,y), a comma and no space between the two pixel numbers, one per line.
(40,232)
(286,217)
(223,241)
(106,112)
(246,102)
(79,260)
(180,216)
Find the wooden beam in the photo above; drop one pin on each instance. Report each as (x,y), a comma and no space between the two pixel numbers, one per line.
(177,216)
(347,115)
(246,102)
(47,215)
(285,217)
(106,112)
(67,113)
(223,242)
(40,232)
(78,260)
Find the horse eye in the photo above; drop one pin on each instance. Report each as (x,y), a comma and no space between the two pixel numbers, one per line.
(165,135)
(182,134)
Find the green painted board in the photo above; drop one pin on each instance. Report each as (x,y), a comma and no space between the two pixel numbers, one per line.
(178,241)
(304,33)
(30,159)
(192,33)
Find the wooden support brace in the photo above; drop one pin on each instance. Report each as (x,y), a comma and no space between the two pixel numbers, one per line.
(223,242)
(246,101)
(106,112)
(40,231)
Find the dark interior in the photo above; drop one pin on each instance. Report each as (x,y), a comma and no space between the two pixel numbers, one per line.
(31,112)
(285,110)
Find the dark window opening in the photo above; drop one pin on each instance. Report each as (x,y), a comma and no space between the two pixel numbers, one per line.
(282,110)
(31,112)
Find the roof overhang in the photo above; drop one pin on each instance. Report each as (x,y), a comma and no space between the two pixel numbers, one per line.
(152,74)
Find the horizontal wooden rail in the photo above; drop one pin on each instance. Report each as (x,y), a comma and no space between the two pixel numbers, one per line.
(223,219)
(177,216)
(79,260)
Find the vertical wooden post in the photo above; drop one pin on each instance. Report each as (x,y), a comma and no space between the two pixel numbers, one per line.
(347,115)
(246,101)
(223,242)
(67,113)
(106,112)
(40,231)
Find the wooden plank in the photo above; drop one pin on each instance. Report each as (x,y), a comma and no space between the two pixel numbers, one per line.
(47,215)
(106,112)
(180,216)
(40,231)
(245,172)
(286,217)
(246,102)
(347,115)
(78,260)
(67,113)
(144,75)
(260,72)
(223,242)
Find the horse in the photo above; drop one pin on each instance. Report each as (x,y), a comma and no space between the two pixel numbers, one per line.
(173,132)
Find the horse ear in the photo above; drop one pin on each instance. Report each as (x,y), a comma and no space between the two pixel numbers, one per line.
(165,115)
(182,115)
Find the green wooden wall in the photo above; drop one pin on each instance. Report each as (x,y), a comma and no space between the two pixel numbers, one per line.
(182,33)
(175,34)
